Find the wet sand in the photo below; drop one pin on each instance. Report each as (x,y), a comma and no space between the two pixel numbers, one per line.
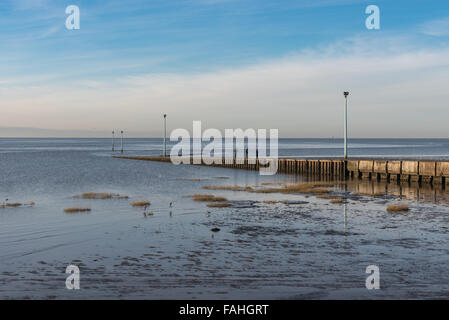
(303,247)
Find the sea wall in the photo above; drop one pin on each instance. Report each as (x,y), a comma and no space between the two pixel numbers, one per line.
(434,172)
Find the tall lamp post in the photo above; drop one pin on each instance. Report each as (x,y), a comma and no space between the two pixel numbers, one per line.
(121,149)
(346,94)
(112,140)
(165,136)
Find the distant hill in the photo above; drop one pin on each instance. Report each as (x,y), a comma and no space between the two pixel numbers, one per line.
(29,132)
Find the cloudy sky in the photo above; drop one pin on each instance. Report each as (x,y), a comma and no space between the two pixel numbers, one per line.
(229,63)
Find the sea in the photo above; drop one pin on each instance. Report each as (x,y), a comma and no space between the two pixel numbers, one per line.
(263,246)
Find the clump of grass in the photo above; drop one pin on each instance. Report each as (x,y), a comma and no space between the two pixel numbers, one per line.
(271,201)
(219,205)
(299,188)
(306,188)
(140,203)
(311,187)
(337,200)
(190,179)
(229,188)
(14,204)
(76,209)
(397,207)
(270,183)
(208,198)
(8,205)
(100,195)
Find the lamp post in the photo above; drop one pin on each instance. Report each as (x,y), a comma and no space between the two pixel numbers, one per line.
(165,136)
(121,149)
(346,94)
(112,140)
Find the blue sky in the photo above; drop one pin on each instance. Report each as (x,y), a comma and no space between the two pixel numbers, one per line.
(133,46)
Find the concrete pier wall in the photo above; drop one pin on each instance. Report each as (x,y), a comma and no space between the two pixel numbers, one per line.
(436,172)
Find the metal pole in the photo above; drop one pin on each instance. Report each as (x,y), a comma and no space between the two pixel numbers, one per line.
(112,140)
(165,136)
(346,93)
(121,150)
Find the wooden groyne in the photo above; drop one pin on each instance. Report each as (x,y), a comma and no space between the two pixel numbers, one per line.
(434,172)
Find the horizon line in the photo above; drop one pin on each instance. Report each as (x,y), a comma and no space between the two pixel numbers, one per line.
(152,137)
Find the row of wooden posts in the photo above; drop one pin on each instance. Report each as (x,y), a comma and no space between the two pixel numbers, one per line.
(335,168)
(436,172)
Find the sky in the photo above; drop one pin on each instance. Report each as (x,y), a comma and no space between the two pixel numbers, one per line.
(229,63)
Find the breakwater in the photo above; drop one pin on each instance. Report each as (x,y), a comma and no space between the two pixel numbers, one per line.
(433,172)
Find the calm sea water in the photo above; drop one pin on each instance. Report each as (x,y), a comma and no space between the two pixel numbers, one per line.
(305,247)
(307,148)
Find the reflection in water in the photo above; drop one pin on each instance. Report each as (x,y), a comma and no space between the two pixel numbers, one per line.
(395,189)
(345,214)
(403,191)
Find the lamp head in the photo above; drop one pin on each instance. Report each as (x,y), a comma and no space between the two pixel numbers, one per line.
(346,93)
(165,116)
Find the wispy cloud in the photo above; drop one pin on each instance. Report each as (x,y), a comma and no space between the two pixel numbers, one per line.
(395,93)
(229,63)
(29,4)
(438,27)
(297,4)
(50,31)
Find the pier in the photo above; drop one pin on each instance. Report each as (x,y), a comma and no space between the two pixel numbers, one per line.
(430,172)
